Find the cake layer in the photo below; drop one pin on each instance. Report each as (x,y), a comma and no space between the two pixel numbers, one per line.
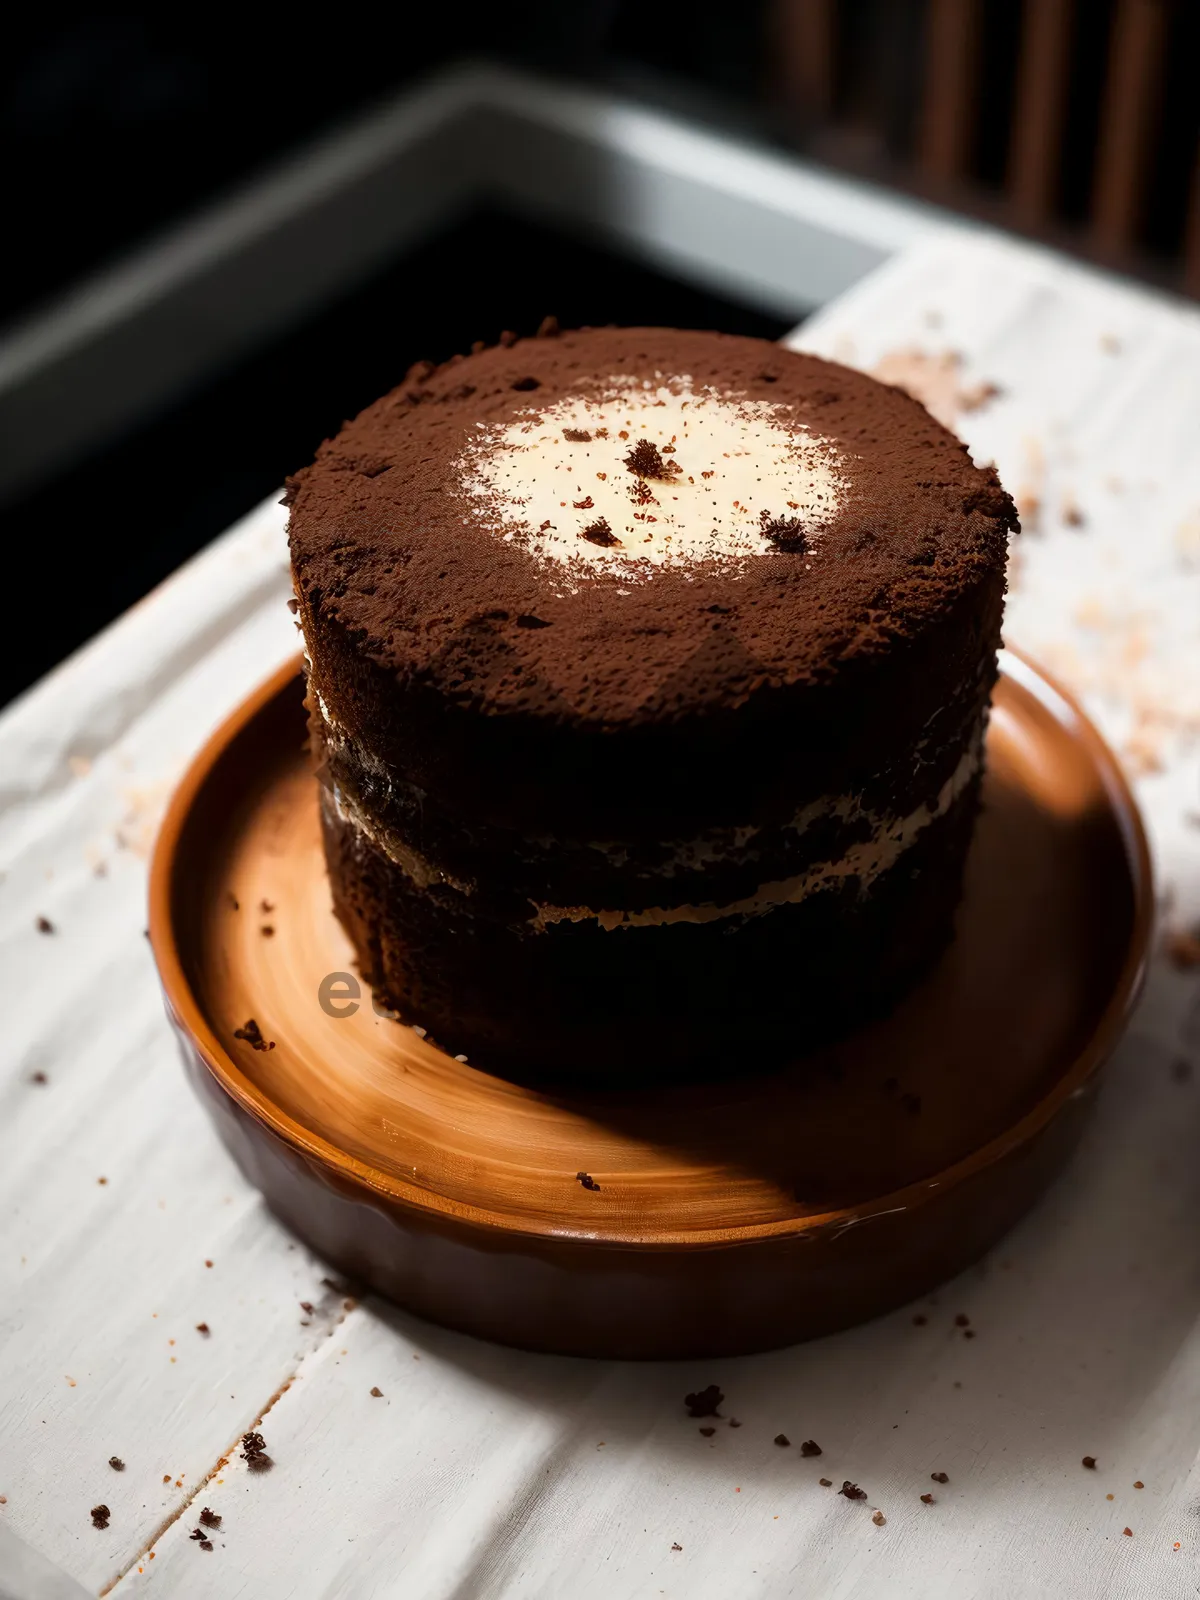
(579,998)
(504,873)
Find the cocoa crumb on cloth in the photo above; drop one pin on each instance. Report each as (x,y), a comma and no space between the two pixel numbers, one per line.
(708,1432)
(116,1463)
(941,1477)
(782,1440)
(826,1483)
(810,1447)
(852,1491)
(377,1392)
(1090,1463)
(704,1402)
(44,925)
(100,1516)
(210,1519)
(254,1452)
(927,1499)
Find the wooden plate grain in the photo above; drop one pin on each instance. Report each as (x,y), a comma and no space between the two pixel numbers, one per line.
(722,1218)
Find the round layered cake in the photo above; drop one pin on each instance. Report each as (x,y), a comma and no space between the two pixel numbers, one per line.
(648,677)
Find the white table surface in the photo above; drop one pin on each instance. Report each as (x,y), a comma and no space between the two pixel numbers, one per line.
(483,1472)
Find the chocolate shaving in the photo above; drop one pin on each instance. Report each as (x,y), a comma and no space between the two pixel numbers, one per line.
(600,533)
(852,1491)
(645,459)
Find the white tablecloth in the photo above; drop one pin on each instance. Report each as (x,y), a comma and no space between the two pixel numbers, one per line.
(482,1472)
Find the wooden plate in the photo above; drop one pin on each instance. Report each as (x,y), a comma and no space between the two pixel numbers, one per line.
(721,1218)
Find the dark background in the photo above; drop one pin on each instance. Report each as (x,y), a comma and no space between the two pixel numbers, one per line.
(117,123)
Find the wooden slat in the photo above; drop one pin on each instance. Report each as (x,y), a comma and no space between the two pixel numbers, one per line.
(1040,108)
(802,38)
(1135,61)
(951,68)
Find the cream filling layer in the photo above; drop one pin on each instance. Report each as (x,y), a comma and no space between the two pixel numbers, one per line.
(864,861)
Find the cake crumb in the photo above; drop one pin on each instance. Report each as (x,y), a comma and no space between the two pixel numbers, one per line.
(927,1499)
(201,1538)
(38,1078)
(116,1463)
(203,1327)
(852,1491)
(1139,1484)
(734,1423)
(1128,1532)
(252,1034)
(100,1516)
(587,1181)
(676,1547)
(942,1477)
(44,925)
(705,1402)
(210,1519)
(1090,1463)
(708,1432)
(878,1519)
(810,1447)
(826,1483)
(254,1452)
(377,1392)
(782,1440)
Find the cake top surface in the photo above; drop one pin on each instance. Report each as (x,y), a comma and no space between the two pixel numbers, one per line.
(598,523)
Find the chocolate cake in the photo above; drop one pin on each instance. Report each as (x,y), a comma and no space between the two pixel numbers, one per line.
(648,678)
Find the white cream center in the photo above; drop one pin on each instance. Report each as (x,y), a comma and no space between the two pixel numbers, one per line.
(652,474)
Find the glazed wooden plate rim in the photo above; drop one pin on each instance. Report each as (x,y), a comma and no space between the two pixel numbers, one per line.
(1109,1024)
